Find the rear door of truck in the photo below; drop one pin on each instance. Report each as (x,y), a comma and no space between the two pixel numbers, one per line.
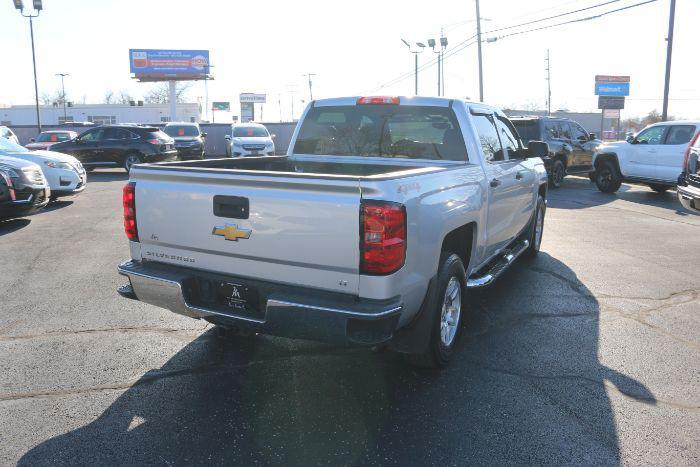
(286,229)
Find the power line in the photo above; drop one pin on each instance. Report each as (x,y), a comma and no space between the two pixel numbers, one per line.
(577,20)
(465,43)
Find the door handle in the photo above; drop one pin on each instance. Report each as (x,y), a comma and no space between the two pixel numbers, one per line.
(495,182)
(519,175)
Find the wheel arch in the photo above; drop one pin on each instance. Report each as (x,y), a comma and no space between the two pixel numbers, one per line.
(461,241)
(607,157)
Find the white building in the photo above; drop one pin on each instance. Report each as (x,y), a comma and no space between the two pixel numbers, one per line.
(99,113)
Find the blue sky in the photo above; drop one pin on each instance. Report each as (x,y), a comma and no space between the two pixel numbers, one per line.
(354,47)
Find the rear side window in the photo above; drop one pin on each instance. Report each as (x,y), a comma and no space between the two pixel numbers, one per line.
(680,134)
(410,132)
(552,130)
(488,137)
(529,130)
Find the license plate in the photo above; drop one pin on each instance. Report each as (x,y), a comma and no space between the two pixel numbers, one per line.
(236,296)
(255,152)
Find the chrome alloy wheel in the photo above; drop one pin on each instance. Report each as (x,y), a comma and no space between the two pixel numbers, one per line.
(130,160)
(451,310)
(539,226)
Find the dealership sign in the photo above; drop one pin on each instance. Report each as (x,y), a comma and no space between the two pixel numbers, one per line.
(611,113)
(611,85)
(253,98)
(156,64)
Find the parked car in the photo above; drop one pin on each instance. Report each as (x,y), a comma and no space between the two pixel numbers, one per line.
(688,190)
(48,138)
(571,147)
(654,157)
(249,139)
(64,174)
(6,133)
(23,188)
(189,139)
(384,213)
(119,146)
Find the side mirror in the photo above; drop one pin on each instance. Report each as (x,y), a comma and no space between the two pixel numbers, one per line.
(227,137)
(591,136)
(204,135)
(273,136)
(630,139)
(32,140)
(583,139)
(538,149)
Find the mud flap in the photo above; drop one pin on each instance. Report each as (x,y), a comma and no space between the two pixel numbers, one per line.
(414,337)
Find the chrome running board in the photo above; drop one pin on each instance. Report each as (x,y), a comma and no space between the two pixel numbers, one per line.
(499,267)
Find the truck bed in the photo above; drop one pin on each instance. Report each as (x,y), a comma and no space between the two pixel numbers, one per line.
(283,166)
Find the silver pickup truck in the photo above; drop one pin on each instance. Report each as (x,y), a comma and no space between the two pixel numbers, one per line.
(371,230)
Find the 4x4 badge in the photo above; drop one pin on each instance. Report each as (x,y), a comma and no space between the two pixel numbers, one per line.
(231,232)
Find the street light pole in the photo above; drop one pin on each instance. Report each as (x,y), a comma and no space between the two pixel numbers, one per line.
(311,91)
(669,50)
(63,93)
(19,4)
(478,42)
(415,52)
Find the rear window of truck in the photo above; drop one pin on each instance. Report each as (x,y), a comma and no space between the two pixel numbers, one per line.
(529,130)
(409,132)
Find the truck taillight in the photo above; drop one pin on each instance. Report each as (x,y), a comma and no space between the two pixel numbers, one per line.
(369,100)
(686,156)
(382,237)
(129,203)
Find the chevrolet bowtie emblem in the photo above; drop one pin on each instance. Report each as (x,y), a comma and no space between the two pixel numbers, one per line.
(231,232)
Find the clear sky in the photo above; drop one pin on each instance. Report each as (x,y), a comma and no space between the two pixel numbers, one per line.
(354,47)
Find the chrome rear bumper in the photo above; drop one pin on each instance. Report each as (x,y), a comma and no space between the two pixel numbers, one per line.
(287,311)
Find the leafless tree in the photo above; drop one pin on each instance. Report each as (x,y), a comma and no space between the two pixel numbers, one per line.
(109,98)
(159,93)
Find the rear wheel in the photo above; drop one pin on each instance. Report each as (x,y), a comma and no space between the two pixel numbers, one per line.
(556,177)
(658,187)
(607,178)
(130,160)
(449,309)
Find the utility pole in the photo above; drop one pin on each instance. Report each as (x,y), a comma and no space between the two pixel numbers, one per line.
(478,43)
(311,92)
(291,92)
(549,87)
(443,45)
(63,93)
(669,50)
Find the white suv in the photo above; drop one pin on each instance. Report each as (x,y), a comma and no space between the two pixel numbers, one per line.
(249,139)
(653,157)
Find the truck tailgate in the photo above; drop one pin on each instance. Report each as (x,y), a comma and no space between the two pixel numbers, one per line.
(300,231)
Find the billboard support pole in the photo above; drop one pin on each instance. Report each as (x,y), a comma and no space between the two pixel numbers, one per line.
(602,121)
(172,99)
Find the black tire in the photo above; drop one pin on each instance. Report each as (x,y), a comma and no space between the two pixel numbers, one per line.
(89,169)
(659,188)
(535,237)
(607,178)
(129,160)
(440,348)
(557,174)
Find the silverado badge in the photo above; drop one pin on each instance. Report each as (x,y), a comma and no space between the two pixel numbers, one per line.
(231,232)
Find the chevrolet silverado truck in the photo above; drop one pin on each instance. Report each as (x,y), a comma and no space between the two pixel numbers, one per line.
(373,228)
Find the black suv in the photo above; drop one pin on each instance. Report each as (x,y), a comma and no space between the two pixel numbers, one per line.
(23,188)
(189,139)
(571,148)
(119,145)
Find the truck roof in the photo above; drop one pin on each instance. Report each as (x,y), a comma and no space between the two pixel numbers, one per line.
(403,100)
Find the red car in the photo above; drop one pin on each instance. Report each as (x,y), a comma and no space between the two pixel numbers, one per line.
(47,138)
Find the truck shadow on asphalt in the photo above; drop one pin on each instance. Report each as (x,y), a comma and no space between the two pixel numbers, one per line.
(525,386)
(13,225)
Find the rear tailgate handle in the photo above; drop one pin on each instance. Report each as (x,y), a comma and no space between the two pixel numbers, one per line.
(234,207)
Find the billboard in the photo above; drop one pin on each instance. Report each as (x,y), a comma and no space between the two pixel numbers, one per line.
(157,64)
(247,112)
(611,113)
(611,79)
(254,98)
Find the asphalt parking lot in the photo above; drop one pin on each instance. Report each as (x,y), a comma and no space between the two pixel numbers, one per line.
(588,355)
